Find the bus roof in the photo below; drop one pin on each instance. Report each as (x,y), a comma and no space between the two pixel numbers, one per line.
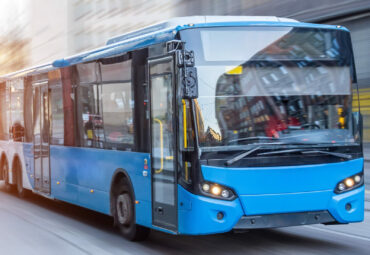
(161,32)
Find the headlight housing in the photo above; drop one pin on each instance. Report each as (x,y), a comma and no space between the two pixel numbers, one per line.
(350,183)
(216,190)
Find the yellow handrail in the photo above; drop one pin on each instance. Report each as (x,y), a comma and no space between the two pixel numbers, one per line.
(185,137)
(158,171)
(184,124)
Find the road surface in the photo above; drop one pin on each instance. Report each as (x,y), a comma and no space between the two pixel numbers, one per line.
(36,225)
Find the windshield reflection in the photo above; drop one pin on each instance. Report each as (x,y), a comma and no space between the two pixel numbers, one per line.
(296,89)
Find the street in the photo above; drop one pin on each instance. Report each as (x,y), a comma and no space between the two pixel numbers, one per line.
(36,225)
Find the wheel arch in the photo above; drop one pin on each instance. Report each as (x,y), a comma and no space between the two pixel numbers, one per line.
(3,159)
(119,174)
(16,162)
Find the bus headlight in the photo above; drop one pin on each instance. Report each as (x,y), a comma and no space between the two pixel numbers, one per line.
(217,191)
(350,183)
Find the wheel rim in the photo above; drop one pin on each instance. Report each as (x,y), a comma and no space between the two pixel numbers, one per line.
(124,212)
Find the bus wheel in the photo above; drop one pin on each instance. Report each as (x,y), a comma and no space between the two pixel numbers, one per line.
(5,170)
(20,190)
(124,214)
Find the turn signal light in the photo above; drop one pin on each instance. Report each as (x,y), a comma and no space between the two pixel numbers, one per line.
(350,183)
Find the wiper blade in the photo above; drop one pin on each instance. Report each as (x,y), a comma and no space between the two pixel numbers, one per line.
(336,154)
(281,152)
(254,138)
(307,151)
(240,156)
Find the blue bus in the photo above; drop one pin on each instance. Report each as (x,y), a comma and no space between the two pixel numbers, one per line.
(197,125)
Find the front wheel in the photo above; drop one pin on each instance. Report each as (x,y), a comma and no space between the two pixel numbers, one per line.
(22,192)
(125,215)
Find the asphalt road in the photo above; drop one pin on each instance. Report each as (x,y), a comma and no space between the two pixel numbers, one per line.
(36,225)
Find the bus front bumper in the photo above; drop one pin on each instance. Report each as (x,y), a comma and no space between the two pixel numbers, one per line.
(199,215)
(283,220)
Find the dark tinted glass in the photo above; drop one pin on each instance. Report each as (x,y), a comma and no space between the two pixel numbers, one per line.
(105,105)
(16,108)
(57,113)
(4,104)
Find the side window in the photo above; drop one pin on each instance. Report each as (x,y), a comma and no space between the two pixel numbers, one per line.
(105,104)
(56,109)
(89,116)
(16,108)
(117,115)
(4,104)
(118,105)
(28,110)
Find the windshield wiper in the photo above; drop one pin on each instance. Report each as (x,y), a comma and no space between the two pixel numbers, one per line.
(240,156)
(336,154)
(281,152)
(252,138)
(307,151)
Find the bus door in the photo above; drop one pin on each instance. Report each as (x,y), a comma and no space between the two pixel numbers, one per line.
(41,127)
(163,143)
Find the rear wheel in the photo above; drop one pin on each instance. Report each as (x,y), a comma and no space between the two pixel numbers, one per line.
(20,190)
(5,170)
(124,214)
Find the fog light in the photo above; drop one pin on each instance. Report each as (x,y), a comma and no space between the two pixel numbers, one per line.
(206,187)
(220,215)
(216,190)
(357,178)
(225,193)
(348,206)
(349,182)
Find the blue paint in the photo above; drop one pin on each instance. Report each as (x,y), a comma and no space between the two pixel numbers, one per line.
(271,190)
(198,214)
(265,24)
(286,202)
(82,170)
(61,63)
(265,190)
(283,179)
(356,198)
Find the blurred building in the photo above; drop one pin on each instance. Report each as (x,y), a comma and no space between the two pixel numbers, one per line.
(353,14)
(51,29)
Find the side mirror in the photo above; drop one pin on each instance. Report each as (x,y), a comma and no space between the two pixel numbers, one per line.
(189,83)
(188,74)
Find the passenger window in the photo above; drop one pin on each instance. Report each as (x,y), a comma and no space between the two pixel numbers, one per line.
(118,115)
(56,109)
(16,108)
(105,104)
(89,109)
(28,110)
(4,104)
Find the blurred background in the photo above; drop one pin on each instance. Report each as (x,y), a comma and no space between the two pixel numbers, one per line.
(34,32)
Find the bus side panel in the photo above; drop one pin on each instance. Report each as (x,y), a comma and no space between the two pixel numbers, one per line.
(28,166)
(13,150)
(83,176)
(3,151)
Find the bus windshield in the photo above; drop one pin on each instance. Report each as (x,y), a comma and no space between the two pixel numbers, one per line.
(273,85)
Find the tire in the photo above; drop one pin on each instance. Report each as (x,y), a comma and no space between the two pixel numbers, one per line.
(5,169)
(22,192)
(124,214)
